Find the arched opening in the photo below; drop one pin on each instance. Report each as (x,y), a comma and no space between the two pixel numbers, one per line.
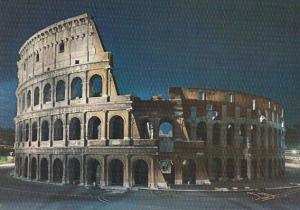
(47,93)
(57,170)
(116,172)
(74,171)
(60,91)
(244,168)
(58,130)
(94,128)
(201,131)
(34,132)
(45,131)
(27,132)
(74,129)
(216,134)
(146,129)
(33,168)
(217,168)
(270,168)
(95,86)
(253,134)
(242,133)
(61,47)
(116,128)
(188,172)
(166,130)
(76,88)
(36,99)
(254,168)
(25,171)
(230,134)
(170,177)
(44,169)
(20,132)
(93,171)
(230,169)
(28,99)
(141,173)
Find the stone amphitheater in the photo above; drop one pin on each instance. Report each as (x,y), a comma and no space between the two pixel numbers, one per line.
(73,126)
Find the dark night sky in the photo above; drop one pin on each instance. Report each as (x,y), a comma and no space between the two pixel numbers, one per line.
(251,46)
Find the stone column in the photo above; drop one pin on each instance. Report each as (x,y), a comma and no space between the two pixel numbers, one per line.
(201,173)
(103,169)
(223,134)
(50,173)
(65,178)
(224,167)
(209,132)
(127,123)
(127,174)
(249,168)
(237,137)
(156,128)
(38,168)
(151,174)
(82,170)
(238,169)
(29,166)
(178,171)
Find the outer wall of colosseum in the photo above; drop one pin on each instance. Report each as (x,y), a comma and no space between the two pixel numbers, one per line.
(72,126)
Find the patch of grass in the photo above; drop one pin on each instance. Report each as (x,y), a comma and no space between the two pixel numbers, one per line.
(6,159)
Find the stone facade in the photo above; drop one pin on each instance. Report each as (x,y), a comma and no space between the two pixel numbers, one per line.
(72,126)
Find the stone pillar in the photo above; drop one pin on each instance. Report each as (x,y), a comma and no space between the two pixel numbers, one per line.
(151,174)
(258,137)
(201,173)
(30,133)
(127,123)
(127,174)
(209,132)
(238,169)
(249,169)
(103,175)
(237,136)
(224,166)
(178,171)
(156,128)
(65,129)
(84,88)
(50,177)
(82,170)
(29,166)
(50,132)
(223,134)
(159,178)
(38,168)
(65,178)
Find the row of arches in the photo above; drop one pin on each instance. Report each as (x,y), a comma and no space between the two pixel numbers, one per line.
(273,168)
(94,129)
(95,90)
(166,130)
(116,168)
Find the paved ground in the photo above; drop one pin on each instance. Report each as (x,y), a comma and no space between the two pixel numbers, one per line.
(17,194)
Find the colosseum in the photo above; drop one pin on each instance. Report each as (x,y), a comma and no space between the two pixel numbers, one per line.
(73,126)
